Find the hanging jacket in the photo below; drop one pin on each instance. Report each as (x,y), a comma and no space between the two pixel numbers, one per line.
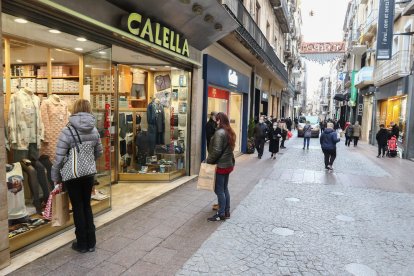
(85,124)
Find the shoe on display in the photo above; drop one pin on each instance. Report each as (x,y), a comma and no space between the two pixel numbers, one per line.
(76,248)
(215,207)
(216,217)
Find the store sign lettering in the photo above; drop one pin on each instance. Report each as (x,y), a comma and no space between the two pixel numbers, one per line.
(322,47)
(233,78)
(156,33)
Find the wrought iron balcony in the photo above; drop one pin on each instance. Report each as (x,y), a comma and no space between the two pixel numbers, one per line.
(282,14)
(364,77)
(389,70)
(370,26)
(254,37)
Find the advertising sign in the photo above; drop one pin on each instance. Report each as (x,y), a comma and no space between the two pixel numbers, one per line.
(354,90)
(385,29)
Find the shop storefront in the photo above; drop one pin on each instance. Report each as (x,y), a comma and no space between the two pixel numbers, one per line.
(137,74)
(391,107)
(226,90)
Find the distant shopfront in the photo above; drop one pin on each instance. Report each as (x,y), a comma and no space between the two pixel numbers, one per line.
(226,90)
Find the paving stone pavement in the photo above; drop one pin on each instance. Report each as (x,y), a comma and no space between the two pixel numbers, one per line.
(331,229)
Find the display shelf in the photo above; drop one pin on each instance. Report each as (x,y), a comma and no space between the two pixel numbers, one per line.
(23,77)
(138,100)
(66,77)
(127,109)
(66,93)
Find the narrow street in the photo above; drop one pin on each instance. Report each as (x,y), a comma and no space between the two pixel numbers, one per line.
(289,217)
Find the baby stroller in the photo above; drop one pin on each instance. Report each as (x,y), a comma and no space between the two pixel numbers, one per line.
(392,147)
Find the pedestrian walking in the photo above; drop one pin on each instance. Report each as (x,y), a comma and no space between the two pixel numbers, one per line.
(82,124)
(382,139)
(211,127)
(221,153)
(349,131)
(284,134)
(322,126)
(307,134)
(296,120)
(289,124)
(395,130)
(274,139)
(356,134)
(260,133)
(328,140)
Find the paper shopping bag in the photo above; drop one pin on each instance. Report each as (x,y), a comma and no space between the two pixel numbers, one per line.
(60,209)
(207,177)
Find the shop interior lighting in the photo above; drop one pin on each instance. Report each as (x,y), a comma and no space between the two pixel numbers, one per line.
(52,59)
(167,66)
(174,68)
(78,49)
(20,20)
(153,69)
(19,60)
(102,52)
(81,39)
(53,31)
(59,50)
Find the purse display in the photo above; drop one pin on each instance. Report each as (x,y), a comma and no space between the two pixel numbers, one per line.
(182,120)
(182,94)
(162,82)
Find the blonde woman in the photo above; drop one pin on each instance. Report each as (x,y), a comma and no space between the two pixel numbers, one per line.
(82,122)
(284,134)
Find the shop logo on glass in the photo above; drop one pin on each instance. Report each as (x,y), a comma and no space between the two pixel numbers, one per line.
(15,184)
(233,78)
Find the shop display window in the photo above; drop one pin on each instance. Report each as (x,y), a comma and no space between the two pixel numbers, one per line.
(153,122)
(43,73)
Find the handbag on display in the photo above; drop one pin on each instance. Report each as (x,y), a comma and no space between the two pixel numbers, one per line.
(182,120)
(162,82)
(79,161)
(174,121)
(182,94)
(207,177)
(182,107)
(182,80)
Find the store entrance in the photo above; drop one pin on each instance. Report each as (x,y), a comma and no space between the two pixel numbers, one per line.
(152,117)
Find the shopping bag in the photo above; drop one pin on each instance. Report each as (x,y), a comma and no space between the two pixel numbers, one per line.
(60,209)
(207,177)
(289,134)
(47,213)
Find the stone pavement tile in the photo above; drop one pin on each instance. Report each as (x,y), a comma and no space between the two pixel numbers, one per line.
(127,256)
(33,269)
(160,256)
(134,232)
(91,259)
(107,269)
(114,244)
(58,258)
(69,269)
(181,243)
(163,231)
(142,268)
(146,243)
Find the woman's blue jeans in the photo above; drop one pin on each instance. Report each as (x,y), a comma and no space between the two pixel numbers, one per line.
(222,192)
(306,140)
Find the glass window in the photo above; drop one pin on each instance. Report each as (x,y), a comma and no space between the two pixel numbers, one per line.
(153,121)
(43,77)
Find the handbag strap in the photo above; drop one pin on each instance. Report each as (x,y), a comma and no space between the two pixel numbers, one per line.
(73,136)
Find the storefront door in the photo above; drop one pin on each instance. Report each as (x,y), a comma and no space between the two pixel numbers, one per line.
(235,116)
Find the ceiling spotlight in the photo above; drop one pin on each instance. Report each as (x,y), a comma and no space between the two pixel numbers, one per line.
(59,50)
(81,39)
(197,9)
(152,68)
(78,49)
(218,27)
(102,52)
(53,31)
(21,20)
(209,18)
(19,60)
(52,59)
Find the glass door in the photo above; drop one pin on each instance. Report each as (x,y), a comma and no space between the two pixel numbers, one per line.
(235,114)
(98,88)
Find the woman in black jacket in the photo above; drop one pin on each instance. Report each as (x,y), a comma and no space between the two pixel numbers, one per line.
(275,134)
(221,153)
(382,138)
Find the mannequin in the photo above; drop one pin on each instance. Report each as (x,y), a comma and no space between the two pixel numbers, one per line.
(15,194)
(152,129)
(55,115)
(138,84)
(159,123)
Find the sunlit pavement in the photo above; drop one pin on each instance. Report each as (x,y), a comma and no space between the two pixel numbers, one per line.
(302,220)
(289,217)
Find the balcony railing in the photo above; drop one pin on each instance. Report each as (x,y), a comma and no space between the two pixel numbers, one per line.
(282,14)
(364,77)
(255,37)
(398,66)
(372,20)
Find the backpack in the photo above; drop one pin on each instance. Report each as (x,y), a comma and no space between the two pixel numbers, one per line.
(79,161)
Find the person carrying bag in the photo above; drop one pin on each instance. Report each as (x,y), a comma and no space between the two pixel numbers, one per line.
(78,147)
(220,154)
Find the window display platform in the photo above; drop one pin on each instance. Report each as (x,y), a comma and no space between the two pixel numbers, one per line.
(159,177)
(125,198)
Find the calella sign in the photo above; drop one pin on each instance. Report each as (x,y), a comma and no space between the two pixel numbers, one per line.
(155,32)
